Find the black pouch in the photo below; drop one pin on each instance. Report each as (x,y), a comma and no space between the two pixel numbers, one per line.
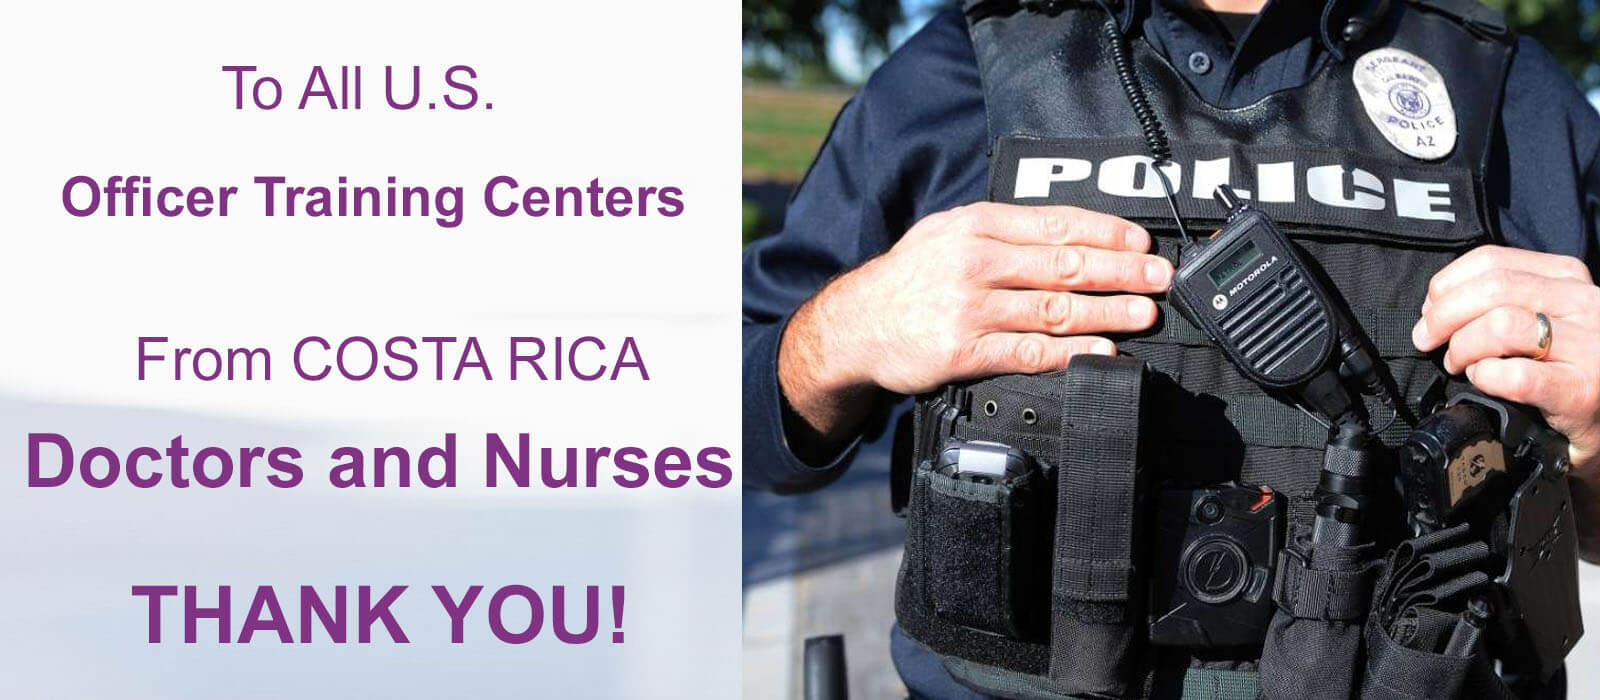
(1415,619)
(1397,671)
(1097,628)
(1314,641)
(985,544)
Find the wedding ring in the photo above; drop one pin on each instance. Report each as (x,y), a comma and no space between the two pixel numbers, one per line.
(1544,336)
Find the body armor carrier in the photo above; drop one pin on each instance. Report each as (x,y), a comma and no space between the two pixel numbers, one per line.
(1037,583)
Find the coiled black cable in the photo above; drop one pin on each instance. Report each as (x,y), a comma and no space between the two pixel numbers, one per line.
(1155,136)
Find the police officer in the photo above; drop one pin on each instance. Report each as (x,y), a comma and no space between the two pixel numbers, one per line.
(908,259)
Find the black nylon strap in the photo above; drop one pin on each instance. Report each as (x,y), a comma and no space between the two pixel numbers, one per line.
(1313,594)
(1096,503)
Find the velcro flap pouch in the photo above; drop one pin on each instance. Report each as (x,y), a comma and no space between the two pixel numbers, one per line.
(982,552)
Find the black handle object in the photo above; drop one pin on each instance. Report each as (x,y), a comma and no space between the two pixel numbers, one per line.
(1341,489)
(1469,628)
(825,677)
(1314,641)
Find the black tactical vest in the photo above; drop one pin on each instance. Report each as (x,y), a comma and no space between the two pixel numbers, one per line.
(990,569)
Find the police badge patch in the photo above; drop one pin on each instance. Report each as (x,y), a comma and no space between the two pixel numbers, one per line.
(1406,98)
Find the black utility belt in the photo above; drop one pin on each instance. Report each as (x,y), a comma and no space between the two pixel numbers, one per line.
(1210,564)
(1195,561)
(1046,558)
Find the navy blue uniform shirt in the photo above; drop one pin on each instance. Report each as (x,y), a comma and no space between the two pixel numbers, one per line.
(913,142)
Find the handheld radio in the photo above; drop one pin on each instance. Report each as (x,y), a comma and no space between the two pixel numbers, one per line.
(1259,302)
(1270,315)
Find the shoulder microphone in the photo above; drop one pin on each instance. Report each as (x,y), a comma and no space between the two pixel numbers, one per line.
(1263,306)
(1248,288)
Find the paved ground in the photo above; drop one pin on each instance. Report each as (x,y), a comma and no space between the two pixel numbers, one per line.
(852,598)
(818,564)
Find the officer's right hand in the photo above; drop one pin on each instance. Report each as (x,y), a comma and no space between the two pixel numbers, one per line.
(975,291)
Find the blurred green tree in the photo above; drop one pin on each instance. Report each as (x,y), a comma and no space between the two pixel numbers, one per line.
(795,31)
(1568,28)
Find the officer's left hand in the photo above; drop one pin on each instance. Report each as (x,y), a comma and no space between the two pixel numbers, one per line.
(1484,306)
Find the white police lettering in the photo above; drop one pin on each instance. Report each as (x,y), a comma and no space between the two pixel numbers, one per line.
(1326,184)
(1422,200)
(1276,181)
(1335,185)
(1406,98)
(1035,175)
(1210,173)
(1130,176)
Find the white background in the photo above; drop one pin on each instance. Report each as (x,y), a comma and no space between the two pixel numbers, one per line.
(634,93)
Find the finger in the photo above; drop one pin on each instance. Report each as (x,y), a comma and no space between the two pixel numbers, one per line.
(1552,387)
(1510,331)
(1485,258)
(1074,268)
(1025,353)
(1443,316)
(1055,225)
(1064,313)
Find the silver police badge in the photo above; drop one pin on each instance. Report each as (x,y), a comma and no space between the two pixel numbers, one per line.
(1406,98)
